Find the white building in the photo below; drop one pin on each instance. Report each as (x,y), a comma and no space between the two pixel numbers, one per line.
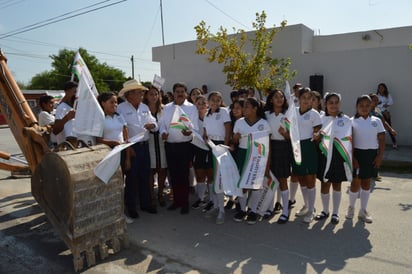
(351,64)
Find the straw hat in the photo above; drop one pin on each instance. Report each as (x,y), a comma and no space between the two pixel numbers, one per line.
(131,85)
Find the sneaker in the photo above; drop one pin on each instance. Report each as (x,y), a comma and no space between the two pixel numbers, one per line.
(229,204)
(211,212)
(302,212)
(278,208)
(240,216)
(207,207)
(364,216)
(251,218)
(309,217)
(220,218)
(198,204)
(350,213)
(334,219)
(128,219)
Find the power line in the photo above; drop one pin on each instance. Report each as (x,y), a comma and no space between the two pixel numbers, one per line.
(36,26)
(10,3)
(226,14)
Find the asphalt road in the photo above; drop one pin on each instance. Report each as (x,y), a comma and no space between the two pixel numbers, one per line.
(172,243)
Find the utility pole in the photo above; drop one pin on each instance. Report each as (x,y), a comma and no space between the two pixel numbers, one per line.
(161,18)
(132,59)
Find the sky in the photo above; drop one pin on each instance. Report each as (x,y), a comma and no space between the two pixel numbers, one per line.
(126,28)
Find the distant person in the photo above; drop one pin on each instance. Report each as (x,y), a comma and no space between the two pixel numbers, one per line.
(46,117)
(385,101)
(139,120)
(205,89)
(65,113)
(234,96)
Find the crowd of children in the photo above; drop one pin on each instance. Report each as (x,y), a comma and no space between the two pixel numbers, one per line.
(333,148)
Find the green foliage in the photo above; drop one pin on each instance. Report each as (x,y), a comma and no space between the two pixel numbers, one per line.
(255,68)
(106,78)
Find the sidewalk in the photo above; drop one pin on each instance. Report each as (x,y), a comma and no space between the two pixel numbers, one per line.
(397,158)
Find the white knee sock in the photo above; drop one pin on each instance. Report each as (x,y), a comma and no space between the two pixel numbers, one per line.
(311,194)
(220,198)
(201,190)
(242,202)
(352,198)
(279,195)
(293,188)
(325,202)
(304,191)
(336,197)
(285,200)
(211,193)
(364,198)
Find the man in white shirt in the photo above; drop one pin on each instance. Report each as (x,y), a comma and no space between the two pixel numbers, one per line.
(178,146)
(138,119)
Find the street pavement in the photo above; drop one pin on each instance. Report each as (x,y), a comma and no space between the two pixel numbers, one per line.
(169,242)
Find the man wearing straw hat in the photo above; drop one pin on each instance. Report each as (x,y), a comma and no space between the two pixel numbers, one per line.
(139,119)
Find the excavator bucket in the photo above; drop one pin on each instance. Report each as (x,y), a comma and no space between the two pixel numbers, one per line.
(87,213)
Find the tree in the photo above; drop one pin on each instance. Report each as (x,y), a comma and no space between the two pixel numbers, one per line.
(105,77)
(257,68)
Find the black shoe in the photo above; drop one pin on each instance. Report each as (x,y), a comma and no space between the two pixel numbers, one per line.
(207,207)
(251,218)
(335,219)
(150,209)
(198,204)
(229,204)
(172,207)
(132,213)
(184,210)
(238,207)
(283,219)
(291,204)
(321,216)
(162,201)
(278,208)
(268,215)
(239,216)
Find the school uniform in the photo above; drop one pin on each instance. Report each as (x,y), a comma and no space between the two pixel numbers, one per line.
(366,144)
(281,149)
(113,127)
(306,122)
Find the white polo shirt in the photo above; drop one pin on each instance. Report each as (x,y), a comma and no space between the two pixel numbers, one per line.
(215,124)
(137,118)
(61,111)
(45,119)
(365,132)
(175,135)
(275,122)
(242,127)
(307,121)
(113,127)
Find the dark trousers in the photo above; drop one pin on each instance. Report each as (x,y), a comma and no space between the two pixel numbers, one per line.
(178,157)
(137,178)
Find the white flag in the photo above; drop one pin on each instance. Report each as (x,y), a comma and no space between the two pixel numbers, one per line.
(292,125)
(89,119)
(80,68)
(158,81)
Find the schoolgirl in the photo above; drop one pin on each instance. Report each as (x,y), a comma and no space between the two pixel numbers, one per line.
(317,102)
(202,163)
(115,130)
(335,162)
(385,102)
(281,150)
(253,121)
(369,145)
(236,112)
(158,163)
(217,128)
(309,123)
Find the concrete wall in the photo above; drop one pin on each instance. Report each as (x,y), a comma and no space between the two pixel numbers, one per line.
(350,63)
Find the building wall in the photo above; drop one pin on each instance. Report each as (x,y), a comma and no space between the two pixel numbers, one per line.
(350,63)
